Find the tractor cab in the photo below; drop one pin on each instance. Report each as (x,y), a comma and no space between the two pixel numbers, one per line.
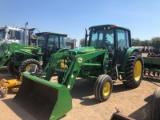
(50,43)
(113,38)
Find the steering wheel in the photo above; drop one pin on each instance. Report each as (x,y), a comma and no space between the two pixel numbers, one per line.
(107,43)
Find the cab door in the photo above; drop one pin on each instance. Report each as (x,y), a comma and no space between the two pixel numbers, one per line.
(122,40)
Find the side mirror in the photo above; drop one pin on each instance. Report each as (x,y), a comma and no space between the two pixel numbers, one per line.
(86,35)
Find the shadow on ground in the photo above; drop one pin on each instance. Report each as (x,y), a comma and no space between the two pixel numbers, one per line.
(84,90)
(152,79)
(143,113)
(17,110)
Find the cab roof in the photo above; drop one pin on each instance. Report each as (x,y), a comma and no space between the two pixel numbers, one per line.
(52,33)
(108,25)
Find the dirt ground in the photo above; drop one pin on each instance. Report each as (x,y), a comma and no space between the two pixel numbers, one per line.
(130,102)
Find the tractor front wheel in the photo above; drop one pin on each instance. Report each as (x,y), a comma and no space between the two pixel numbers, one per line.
(103,87)
(12,69)
(28,64)
(134,71)
(155,105)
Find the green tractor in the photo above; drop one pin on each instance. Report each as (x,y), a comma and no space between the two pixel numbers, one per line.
(21,57)
(8,50)
(107,56)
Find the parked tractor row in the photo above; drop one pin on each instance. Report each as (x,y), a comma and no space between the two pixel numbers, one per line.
(107,56)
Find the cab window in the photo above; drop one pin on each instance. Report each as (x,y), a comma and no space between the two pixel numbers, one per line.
(122,38)
(53,41)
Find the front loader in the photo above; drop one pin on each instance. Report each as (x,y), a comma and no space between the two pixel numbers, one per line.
(22,58)
(107,56)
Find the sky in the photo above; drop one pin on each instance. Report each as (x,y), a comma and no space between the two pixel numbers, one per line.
(71,17)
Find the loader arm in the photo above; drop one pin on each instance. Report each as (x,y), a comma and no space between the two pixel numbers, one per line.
(5,59)
(71,65)
(50,63)
(4,54)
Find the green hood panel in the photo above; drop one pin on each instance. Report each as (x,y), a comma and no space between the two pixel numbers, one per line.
(84,50)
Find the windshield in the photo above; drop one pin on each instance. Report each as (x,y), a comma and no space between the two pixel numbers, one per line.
(102,38)
(2,34)
(41,40)
(63,41)
(55,40)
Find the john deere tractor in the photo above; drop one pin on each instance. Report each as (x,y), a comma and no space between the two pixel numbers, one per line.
(107,56)
(22,58)
(19,52)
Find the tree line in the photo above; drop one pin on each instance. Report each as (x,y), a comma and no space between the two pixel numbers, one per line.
(154,42)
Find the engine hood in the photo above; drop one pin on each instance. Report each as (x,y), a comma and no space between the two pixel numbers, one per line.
(82,50)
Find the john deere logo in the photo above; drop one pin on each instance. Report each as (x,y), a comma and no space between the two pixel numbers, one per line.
(80,60)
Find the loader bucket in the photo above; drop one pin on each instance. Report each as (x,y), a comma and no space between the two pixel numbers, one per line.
(43,99)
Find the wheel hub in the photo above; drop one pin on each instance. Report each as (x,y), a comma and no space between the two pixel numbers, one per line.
(106,88)
(137,70)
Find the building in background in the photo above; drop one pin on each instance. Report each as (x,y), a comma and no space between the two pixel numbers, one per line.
(71,43)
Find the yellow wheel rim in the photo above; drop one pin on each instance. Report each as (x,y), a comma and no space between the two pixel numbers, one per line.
(106,88)
(137,70)
(29,67)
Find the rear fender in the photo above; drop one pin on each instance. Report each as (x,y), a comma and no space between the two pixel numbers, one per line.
(125,59)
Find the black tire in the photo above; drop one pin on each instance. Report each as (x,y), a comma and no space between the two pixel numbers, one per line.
(155,105)
(3,93)
(25,66)
(103,82)
(133,73)
(12,69)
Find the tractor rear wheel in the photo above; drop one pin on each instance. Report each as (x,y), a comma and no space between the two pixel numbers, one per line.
(12,69)
(155,105)
(134,71)
(28,64)
(103,87)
